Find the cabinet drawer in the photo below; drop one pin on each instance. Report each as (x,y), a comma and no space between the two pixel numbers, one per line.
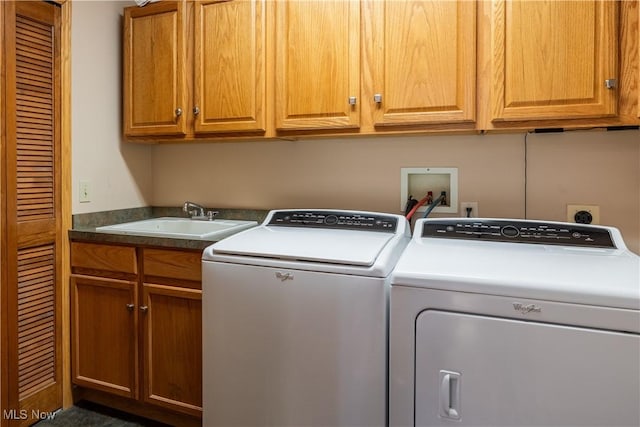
(173,264)
(93,256)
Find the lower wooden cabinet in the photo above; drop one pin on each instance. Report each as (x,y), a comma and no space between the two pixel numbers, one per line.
(137,329)
(172,325)
(104,334)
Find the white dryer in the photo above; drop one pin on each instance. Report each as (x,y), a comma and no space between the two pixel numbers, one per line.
(515,323)
(295,320)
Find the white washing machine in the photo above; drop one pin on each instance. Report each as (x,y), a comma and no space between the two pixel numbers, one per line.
(515,323)
(295,320)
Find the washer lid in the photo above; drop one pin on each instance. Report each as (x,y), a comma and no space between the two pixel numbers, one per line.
(348,247)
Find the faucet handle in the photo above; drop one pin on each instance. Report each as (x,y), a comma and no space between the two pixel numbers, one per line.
(211,214)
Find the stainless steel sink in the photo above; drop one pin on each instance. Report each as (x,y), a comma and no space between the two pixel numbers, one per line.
(180,228)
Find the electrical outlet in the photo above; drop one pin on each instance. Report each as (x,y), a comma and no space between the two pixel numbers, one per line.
(474,209)
(585,214)
(84,194)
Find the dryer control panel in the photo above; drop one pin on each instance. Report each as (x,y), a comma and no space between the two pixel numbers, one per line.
(496,230)
(335,220)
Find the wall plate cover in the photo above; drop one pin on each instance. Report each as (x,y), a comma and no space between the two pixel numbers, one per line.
(417,182)
(84,193)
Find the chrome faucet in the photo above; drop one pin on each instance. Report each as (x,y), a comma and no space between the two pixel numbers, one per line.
(196,211)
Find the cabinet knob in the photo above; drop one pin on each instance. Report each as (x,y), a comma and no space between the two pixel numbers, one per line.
(611,83)
(178,112)
(377,98)
(196,110)
(144,308)
(130,307)
(352,100)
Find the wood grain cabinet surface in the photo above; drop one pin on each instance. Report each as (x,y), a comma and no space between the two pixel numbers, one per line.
(262,69)
(104,343)
(155,85)
(229,66)
(172,330)
(194,67)
(317,67)
(32,189)
(422,62)
(137,329)
(554,60)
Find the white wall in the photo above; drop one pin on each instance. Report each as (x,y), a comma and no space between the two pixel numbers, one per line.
(119,174)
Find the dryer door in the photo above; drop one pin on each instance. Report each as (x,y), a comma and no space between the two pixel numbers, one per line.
(476,370)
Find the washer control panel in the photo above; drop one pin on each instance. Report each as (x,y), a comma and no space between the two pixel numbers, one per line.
(335,220)
(520,232)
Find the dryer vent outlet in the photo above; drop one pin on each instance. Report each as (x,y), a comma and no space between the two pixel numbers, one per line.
(583,214)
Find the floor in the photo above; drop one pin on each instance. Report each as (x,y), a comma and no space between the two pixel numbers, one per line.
(85,414)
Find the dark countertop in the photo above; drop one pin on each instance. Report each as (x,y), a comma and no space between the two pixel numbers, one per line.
(91,235)
(84,226)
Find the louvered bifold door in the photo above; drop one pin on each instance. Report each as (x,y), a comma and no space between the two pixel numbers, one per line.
(33,237)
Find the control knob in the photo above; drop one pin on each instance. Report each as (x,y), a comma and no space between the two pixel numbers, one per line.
(331,219)
(510,231)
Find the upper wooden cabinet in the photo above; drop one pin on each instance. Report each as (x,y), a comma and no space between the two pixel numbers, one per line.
(229,89)
(317,70)
(259,68)
(423,62)
(553,59)
(155,94)
(195,67)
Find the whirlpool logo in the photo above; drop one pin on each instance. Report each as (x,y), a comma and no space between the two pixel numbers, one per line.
(526,308)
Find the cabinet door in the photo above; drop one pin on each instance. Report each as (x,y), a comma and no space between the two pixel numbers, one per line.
(317,64)
(155,95)
(229,90)
(31,187)
(104,323)
(551,60)
(172,324)
(424,61)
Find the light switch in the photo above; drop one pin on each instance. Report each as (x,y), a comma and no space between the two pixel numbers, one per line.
(84,192)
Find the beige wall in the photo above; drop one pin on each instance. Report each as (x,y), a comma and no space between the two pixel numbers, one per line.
(601,168)
(595,168)
(119,174)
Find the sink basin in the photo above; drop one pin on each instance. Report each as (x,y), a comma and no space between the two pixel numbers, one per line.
(180,228)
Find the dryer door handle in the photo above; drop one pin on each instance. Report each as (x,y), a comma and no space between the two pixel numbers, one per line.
(450,394)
